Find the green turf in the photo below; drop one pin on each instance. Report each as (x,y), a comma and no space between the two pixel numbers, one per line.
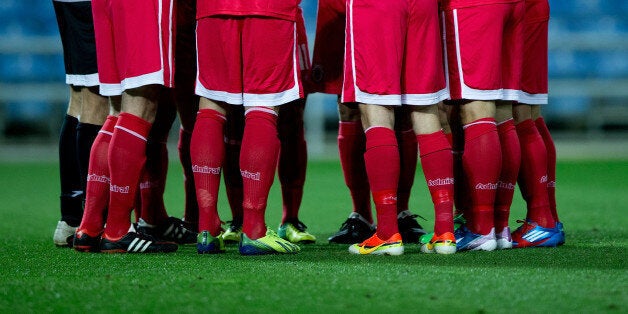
(588,274)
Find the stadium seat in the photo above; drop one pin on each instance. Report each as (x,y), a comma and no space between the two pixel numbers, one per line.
(612,64)
(567,107)
(31,68)
(565,64)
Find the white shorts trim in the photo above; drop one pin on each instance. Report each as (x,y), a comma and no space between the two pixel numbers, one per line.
(132,82)
(87,80)
(425,99)
(247,99)
(271,100)
(532,99)
(374,99)
(110,89)
(230,98)
(511,94)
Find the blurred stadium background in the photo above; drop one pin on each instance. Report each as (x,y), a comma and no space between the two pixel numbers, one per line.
(588,70)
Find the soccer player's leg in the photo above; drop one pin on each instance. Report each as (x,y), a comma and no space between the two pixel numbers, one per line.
(190,214)
(275,63)
(476,66)
(450,119)
(511,160)
(154,219)
(381,149)
(127,149)
(88,234)
(69,174)
(291,170)
(533,185)
(127,156)
(234,130)
(94,107)
(186,101)
(94,111)
(409,228)
(424,87)
(207,151)
(482,166)
(551,168)
(437,164)
(93,115)
(367,50)
(77,36)
(258,161)
(152,183)
(534,94)
(351,146)
(219,83)
(327,76)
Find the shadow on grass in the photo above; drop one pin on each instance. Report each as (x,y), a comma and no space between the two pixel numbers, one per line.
(590,250)
(586,251)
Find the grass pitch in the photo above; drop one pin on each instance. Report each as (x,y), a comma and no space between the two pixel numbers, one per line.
(588,274)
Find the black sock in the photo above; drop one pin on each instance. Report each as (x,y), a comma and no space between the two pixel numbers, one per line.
(71,192)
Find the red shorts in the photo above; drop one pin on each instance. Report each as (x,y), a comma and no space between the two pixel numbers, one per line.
(329,47)
(534,74)
(248,60)
(392,63)
(484,51)
(133,43)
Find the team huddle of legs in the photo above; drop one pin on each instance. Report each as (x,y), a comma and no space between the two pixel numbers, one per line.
(456,85)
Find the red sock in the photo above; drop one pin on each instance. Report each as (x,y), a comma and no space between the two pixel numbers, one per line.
(482,165)
(408,154)
(234,130)
(551,164)
(153,181)
(127,155)
(292,166)
(511,160)
(382,166)
(533,174)
(97,191)
(190,214)
(207,153)
(351,147)
(258,161)
(438,166)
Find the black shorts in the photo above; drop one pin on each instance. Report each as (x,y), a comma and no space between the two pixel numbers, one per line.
(76,27)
